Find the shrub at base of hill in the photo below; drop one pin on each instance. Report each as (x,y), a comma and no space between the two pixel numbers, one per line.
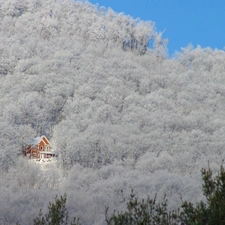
(213,211)
(143,212)
(57,214)
(148,212)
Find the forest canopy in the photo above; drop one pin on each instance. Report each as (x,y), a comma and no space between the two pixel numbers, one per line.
(120,112)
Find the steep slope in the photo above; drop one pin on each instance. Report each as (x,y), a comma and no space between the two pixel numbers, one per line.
(120,113)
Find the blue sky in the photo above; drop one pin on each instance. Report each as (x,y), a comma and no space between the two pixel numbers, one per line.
(196,22)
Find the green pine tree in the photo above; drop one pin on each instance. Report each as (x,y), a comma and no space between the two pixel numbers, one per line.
(143,212)
(57,214)
(211,212)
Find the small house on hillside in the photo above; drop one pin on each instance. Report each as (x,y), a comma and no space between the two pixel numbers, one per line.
(38,148)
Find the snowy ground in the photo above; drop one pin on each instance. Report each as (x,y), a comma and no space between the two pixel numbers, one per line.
(45,164)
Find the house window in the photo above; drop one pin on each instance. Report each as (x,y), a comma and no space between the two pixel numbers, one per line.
(41,148)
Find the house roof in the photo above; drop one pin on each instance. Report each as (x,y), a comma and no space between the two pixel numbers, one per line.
(36,141)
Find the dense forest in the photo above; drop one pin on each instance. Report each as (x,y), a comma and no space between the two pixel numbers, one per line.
(121,114)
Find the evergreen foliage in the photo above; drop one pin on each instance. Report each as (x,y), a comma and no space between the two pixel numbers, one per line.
(212,211)
(143,212)
(57,214)
(148,212)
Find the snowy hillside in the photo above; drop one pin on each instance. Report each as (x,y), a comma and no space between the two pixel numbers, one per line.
(121,114)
